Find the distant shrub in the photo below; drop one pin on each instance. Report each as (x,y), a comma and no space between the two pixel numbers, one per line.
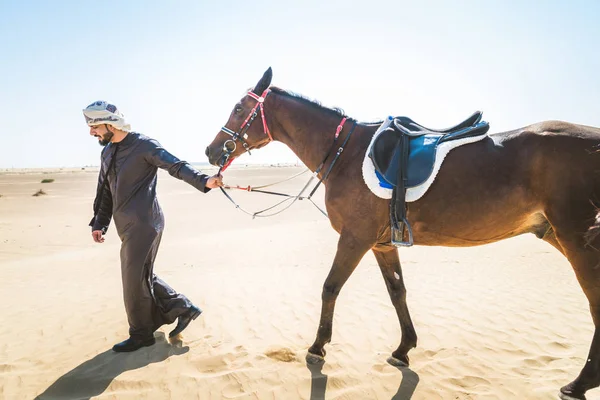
(39,193)
(47,180)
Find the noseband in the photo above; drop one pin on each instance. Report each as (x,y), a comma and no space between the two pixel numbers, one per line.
(230,145)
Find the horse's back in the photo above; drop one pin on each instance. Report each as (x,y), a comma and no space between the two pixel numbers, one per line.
(562,128)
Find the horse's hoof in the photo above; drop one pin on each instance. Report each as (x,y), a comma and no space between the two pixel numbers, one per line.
(563,396)
(397,362)
(566,394)
(314,359)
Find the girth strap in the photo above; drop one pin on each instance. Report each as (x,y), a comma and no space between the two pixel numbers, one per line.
(398,220)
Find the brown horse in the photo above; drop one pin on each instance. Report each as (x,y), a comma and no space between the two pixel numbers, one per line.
(542,179)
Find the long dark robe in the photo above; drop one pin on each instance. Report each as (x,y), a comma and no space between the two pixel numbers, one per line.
(129,198)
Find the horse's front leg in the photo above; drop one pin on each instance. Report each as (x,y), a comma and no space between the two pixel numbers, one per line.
(350,251)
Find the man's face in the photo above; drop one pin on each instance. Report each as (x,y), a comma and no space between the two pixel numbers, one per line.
(102,133)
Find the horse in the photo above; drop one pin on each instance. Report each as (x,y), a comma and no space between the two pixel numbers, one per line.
(542,179)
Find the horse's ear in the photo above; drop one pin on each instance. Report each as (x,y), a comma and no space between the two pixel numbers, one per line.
(264,82)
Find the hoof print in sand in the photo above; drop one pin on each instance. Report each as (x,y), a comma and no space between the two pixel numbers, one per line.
(282,354)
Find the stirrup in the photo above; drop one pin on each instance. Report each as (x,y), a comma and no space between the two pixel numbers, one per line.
(398,234)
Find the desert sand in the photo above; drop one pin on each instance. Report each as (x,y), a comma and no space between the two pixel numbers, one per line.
(501,321)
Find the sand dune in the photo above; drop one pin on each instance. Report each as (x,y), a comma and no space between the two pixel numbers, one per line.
(501,321)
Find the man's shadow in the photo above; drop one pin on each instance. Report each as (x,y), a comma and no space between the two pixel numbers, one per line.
(318,385)
(93,376)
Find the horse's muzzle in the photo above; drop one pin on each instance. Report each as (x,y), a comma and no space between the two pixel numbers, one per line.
(213,156)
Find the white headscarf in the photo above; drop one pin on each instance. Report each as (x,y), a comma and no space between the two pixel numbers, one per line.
(101,112)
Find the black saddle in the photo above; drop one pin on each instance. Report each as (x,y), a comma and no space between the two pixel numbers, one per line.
(472,120)
(404,156)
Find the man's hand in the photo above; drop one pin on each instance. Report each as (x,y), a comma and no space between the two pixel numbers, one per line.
(98,236)
(214,181)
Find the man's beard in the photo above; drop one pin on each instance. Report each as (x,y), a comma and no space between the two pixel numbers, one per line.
(105,139)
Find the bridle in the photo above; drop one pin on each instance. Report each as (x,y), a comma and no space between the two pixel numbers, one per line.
(230,145)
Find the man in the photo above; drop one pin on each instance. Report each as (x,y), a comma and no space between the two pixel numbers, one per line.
(127,192)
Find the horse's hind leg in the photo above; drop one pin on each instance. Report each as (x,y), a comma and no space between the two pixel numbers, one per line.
(389,263)
(587,269)
(351,250)
(584,257)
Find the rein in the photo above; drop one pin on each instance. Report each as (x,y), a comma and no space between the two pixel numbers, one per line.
(289,197)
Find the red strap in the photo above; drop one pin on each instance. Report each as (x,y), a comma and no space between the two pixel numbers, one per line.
(260,103)
(258,98)
(340,127)
(254,96)
(224,167)
(265,127)
(249,115)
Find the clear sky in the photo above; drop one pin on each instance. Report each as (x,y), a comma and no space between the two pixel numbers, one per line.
(176,68)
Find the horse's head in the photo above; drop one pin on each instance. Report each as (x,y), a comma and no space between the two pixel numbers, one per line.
(239,133)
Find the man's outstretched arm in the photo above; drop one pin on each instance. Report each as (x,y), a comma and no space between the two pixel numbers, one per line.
(161,158)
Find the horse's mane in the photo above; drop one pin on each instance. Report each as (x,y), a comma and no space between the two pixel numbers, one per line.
(312,102)
(315,103)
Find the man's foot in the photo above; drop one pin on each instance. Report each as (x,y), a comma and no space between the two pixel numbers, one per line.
(184,320)
(132,344)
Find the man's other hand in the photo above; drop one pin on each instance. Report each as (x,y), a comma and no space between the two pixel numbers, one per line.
(98,236)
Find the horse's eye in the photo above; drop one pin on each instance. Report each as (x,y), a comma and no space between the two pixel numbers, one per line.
(238,109)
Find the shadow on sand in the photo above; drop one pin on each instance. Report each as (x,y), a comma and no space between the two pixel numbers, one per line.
(93,376)
(318,385)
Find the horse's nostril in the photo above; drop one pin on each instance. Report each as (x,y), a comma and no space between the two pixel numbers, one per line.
(207,152)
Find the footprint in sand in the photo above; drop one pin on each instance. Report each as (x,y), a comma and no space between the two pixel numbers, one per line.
(282,354)
(6,368)
(221,362)
(380,367)
(558,346)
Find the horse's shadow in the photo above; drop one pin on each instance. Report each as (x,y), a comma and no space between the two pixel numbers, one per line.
(318,385)
(93,376)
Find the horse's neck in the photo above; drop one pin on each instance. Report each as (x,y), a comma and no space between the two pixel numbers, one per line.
(307,131)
